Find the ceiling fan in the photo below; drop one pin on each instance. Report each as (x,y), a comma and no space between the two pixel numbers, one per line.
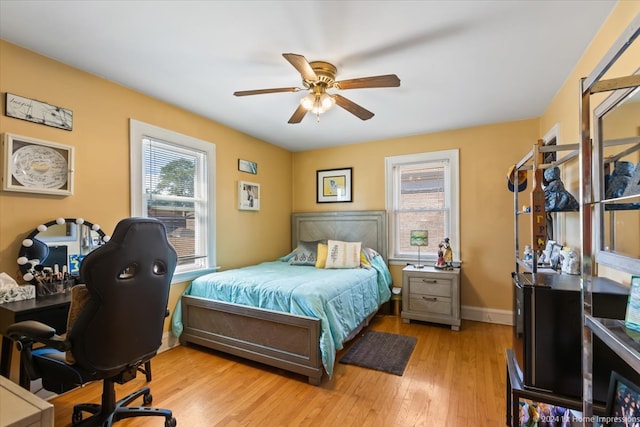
(317,78)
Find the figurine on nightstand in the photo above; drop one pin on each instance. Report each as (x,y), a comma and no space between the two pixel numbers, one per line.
(440,262)
(445,255)
(448,252)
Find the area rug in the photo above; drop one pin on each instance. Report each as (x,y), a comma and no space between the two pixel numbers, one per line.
(381,351)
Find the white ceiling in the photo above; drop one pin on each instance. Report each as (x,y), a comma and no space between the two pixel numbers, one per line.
(461,63)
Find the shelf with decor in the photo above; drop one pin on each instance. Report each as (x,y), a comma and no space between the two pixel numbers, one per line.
(541,203)
(542,366)
(548,304)
(610,208)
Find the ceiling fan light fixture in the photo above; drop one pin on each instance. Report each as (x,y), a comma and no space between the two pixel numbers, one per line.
(317,103)
(327,101)
(308,101)
(317,77)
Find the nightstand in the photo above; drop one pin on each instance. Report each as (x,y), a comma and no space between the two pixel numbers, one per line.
(21,408)
(431,295)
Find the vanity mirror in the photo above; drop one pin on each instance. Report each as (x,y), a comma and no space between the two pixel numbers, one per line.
(617,131)
(51,254)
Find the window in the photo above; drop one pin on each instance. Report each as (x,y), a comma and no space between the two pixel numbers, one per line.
(173,180)
(422,193)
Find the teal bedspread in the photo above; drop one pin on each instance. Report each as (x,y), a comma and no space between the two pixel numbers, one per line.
(340,298)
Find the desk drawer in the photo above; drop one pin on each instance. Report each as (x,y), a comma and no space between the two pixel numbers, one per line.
(430,286)
(430,304)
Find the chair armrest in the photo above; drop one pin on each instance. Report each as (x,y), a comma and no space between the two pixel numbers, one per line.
(31,331)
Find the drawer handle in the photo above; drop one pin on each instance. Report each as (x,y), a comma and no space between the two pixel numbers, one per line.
(430,298)
(430,281)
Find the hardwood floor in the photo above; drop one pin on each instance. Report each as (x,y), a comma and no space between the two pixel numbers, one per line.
(453,379)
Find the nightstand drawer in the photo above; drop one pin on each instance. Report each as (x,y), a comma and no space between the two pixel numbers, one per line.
(430,304)
(430,286)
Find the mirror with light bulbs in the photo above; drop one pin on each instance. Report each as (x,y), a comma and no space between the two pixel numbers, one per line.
(50,256)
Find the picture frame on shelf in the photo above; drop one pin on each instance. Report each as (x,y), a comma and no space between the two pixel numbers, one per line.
(247,166)
(34,111)
(36,166)
(334,185)
(248,196)
(632,315)
(622,395)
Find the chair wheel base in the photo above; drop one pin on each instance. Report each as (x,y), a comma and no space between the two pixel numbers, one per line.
(105,416)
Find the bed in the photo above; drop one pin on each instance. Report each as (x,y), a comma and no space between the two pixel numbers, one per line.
(302,333)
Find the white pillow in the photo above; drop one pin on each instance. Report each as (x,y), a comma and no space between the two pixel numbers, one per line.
(343,254)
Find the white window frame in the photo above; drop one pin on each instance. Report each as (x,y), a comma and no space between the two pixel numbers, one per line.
(138,131)
(452,199)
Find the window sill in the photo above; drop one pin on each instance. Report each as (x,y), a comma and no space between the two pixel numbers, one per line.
(187,276)
(407,261)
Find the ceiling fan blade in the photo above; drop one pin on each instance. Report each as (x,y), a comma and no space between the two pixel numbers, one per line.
(261,91)
(302,65)
(388,80)
(353,108)
(298,115)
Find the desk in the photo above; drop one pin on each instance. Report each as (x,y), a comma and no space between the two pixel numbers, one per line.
(51,310)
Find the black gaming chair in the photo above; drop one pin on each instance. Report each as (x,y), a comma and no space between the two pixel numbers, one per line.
(117,330)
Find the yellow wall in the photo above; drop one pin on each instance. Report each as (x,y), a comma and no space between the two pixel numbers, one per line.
(100,135)
(486,229)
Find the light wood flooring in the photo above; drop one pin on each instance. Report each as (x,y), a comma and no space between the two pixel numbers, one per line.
(453,379)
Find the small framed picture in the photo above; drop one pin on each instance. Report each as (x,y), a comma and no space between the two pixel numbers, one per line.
(632,316)
(334,185)
(624,398)
(248,196)
(36,166)
(248,166)
(39,112)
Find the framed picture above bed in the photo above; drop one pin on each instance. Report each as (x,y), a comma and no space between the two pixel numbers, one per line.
(248,196)
(334,185)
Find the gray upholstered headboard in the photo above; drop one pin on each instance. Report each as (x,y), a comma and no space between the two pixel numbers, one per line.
(368,227)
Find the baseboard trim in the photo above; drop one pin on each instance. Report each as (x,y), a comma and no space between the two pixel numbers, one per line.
(487,315)
(168,342)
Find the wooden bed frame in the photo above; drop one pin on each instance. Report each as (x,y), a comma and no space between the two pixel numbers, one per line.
(277,339)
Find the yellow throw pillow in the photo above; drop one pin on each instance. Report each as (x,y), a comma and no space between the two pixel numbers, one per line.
(322,255)
(364,261)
